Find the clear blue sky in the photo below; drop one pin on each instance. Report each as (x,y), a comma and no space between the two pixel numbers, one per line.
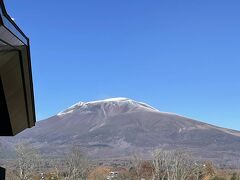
(179,56)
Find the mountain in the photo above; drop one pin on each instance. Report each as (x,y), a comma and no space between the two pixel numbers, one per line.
(115,128)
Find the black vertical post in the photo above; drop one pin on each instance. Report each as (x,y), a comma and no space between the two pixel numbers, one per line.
(2,173)
(5,128)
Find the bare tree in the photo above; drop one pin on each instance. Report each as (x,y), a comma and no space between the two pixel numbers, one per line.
(162,164)
(182,166)
(28,161)
(136,162)
(175,165)
(55,164)
(77,165)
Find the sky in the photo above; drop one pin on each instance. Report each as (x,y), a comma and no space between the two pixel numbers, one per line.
(180,56)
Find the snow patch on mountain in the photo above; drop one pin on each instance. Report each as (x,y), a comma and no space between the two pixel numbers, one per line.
(71,109)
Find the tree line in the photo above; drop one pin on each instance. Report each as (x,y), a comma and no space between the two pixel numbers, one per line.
(75,165)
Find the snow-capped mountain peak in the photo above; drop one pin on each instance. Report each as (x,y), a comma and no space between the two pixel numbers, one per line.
(111,105)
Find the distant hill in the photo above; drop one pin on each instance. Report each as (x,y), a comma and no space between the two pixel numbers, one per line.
(115,128)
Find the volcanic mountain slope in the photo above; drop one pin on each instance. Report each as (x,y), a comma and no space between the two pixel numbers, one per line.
(117,127)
